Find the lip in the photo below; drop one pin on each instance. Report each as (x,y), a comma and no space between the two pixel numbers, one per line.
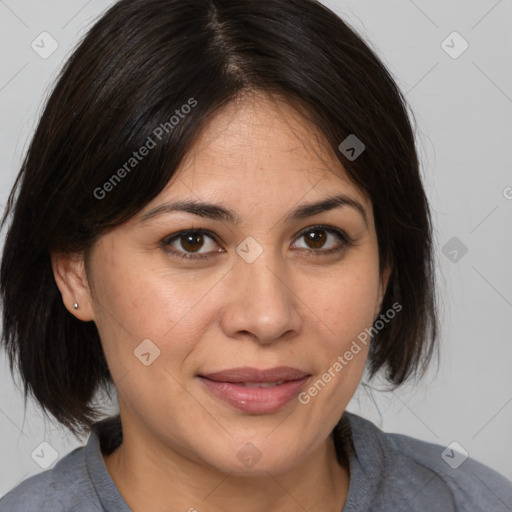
(250,374)
(229,385)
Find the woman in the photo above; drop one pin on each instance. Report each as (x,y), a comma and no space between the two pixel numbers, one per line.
(221,217)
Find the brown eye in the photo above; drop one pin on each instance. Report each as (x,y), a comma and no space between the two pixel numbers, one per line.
(315,238)
(191,244)
(323,240)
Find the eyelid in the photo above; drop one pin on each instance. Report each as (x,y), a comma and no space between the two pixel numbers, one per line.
(346,240)
(166,242)
(330,229)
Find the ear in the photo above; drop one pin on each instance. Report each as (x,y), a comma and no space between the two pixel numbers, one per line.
(71,279)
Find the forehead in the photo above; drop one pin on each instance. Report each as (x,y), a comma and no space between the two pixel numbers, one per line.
(261,144)
(261,157)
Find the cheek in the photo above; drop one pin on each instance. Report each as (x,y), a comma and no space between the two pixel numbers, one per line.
(348,301)
(134,304)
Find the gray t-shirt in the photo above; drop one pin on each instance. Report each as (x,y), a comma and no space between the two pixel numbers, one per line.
(388,473)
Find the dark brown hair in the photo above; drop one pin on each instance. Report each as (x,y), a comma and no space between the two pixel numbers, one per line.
(134,69)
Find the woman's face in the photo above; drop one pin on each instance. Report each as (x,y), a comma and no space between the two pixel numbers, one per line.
(263,290)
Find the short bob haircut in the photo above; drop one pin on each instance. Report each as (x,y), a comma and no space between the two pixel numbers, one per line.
(140,64)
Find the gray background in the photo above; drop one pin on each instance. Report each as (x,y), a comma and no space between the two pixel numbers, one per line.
(463,107)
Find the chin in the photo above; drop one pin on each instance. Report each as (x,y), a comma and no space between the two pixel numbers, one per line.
(257,458)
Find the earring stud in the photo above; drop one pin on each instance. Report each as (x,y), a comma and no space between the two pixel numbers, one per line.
(75,305)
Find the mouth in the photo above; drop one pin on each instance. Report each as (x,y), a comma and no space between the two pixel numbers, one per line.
(256,391)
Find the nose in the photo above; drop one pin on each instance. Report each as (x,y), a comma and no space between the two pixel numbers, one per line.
(262,303)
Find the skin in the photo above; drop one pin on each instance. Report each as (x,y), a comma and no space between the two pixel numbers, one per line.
(294,305)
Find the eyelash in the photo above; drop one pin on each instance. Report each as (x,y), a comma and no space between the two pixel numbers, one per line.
(346,241)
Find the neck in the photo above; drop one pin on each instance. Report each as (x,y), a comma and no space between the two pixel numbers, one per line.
(151,477)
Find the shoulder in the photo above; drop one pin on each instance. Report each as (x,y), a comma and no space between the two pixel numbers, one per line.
(428,475)
(470,484)
(61,489)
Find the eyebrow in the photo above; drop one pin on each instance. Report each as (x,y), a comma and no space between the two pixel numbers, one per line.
(218,212)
